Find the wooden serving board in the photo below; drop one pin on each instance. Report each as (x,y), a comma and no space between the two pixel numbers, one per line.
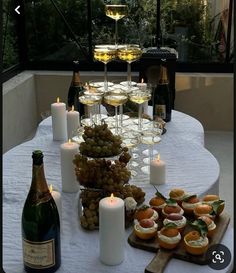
(162,257)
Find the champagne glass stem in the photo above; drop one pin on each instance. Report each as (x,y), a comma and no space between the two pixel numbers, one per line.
(121,115)
(130,167)
(99,113)
(150,150)
(116,116)
(90,114)
(140,117)
(105,78)
(129,75)
(95,114)
(116,32)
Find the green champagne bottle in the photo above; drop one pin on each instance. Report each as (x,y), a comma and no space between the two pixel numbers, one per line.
(161,98)
(75,88)
(40,224)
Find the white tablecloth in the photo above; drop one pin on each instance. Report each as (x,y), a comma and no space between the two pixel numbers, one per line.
(189,165)
(185,126)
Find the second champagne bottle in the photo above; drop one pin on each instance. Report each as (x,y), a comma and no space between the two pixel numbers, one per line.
(161,97)
(75,88)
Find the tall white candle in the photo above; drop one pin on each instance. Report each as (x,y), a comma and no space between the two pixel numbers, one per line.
(59,127)
(57,198)
(73,122)
(111,230)
(68,177)
(157,171)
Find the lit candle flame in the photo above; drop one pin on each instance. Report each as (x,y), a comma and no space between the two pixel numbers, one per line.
(50,188)
(142,81)
(158,157)
(72,108)
(69,141)
(112,197)
(58,99)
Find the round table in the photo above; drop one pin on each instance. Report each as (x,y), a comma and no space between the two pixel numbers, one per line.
(189,165)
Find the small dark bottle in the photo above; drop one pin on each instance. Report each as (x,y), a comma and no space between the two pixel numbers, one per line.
(161,98)
(75,88)
(40,224)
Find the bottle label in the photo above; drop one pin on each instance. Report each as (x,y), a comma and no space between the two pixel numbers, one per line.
(160,110)
(39,254)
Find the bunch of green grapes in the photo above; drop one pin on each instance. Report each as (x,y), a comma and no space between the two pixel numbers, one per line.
(89,219)
(101,173)
(133,191)
(100,142)
(88,195)
(90,202)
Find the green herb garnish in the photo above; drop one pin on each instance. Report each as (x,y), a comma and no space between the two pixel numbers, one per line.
(200,226)
(215,205)
(158,194)
(144,207)
(170,225)
(189,196)
(171,202)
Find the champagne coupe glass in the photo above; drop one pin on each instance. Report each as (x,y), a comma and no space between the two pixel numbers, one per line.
(78,135)
(116,10)
(130,141)
(129,53)
(120,91)
(89,100)
(150,136)
(115,99)
(93,89)
(140,96)
(105,54)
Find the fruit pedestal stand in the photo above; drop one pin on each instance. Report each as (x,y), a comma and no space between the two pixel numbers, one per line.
(101,169)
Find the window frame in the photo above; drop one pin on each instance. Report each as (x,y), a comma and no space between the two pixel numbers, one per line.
(89,64)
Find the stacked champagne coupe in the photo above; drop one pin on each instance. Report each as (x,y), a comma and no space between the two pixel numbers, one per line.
(132,130)
(116,10)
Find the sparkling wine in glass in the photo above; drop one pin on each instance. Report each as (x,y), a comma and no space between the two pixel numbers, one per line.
(104,54)
(116,11)
(93,89)
(115,99)
(129,53)
(89,100)
(140,97)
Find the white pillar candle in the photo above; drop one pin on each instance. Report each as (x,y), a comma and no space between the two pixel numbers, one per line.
(142,85)
(57,198)
(157,171)
(73,122)
(68,177)
(111,230)
(59,127)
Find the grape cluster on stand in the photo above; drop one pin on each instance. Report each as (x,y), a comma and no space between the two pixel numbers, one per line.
(100,177)
(100,142)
